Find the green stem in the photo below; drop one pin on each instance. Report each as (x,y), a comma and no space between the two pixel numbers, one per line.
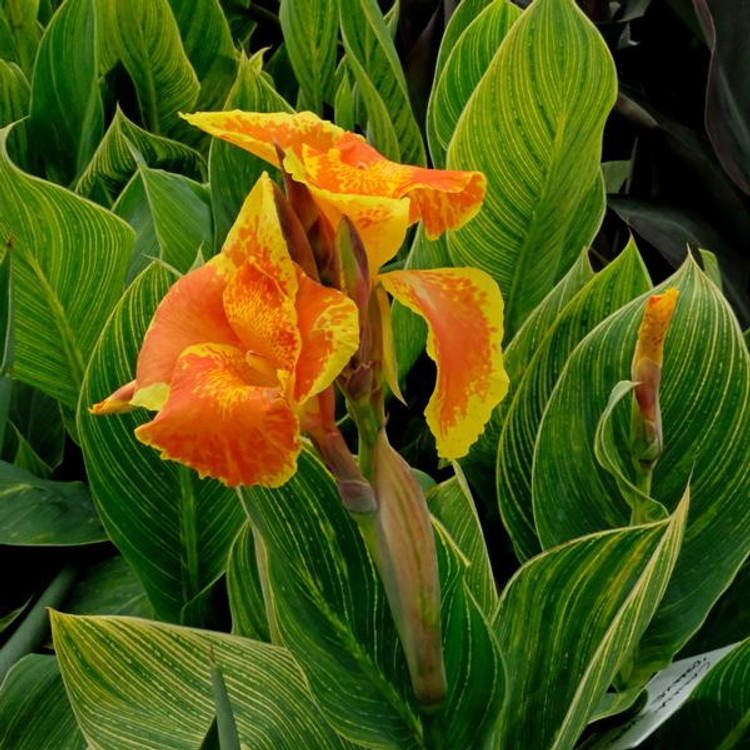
(641,512)
(31,633)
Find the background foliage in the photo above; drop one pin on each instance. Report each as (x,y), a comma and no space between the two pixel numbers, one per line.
(614,136)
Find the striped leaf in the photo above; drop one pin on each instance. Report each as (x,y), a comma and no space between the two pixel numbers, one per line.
(568,619)
(451,503)
(68,258)
(143,35)
(544,99)
(372,59)
(36,511)
(67,117)
(233,171)
(464,66)
(462,16)
(174,529)
(171,216)
(705,404)
(207,40)
(34,709)
(717,713)
(245,589)
(15,95)
(114,161)
(310,30)
(146,685)
(479,465)
(20,32)
(611,288)
(330,611)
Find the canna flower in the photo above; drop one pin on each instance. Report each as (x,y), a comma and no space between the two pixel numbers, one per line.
(235,353)
(463,307)
(348,177)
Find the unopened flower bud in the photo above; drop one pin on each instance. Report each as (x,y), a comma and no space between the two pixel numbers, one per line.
(408,566)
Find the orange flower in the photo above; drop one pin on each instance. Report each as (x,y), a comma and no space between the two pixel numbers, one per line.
(350,178)
(235,351)
(462,306)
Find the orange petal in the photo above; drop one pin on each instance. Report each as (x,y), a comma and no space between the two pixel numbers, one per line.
(258,132)
(256,236)
(381,221)
(116,403)
(464,313)
(329,327)
(653,330)
(192,312)
(443,199)
(222,421)
(263,316)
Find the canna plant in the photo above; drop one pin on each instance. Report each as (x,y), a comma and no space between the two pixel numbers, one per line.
(320,419)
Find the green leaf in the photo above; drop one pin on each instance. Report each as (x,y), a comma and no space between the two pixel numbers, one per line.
(344,102)
(705,405)
(114,161)
(226,727)
(464,66)
(477,680)
(451,503)
(615,174)
(171,216)
(68,263)
(67,117)
(34,709)
(15,95)
(567,620)
(310,30)
(462,16)
(547,107)
(245,589)
(372,59)
(611,444)
(208,44)
(143,35)
(479,465)
(35,511)
(233,171)
(174,529)
(110,587)
(135,683)
(711,267)
(19,32)
(330,608)
(37,419)
(717,713)
(612,287)
(330,611)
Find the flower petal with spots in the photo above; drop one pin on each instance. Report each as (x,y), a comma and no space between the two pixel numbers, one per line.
(464,313)
(222,420)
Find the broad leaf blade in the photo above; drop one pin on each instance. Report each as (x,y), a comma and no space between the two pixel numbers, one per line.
(705,404)
(68,259)
(547,107)
(568,619)
(36,511)
(372,59)
(67,117)
(173,528)
(310,30)
(611,288)
(34,709)
(464,66)
(171,216)
(140,684)
(114,162)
